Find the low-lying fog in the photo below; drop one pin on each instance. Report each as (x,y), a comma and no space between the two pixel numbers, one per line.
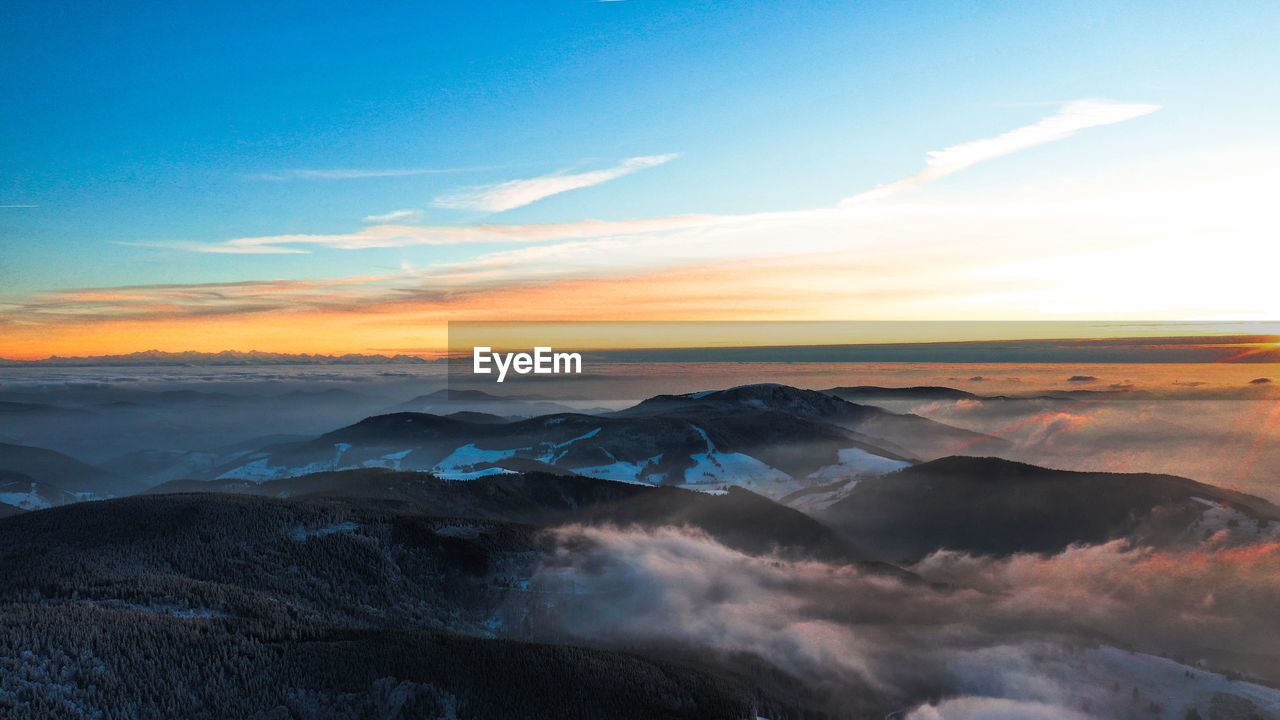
(1092,631)
(1214,423)
(1038,633)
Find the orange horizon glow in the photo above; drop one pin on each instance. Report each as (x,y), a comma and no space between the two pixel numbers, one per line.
(334,319)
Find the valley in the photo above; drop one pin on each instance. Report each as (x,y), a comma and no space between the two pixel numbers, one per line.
(691,555)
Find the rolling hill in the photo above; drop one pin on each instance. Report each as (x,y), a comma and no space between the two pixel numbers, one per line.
(212,606)
(991,506)
(771,439)
(60,477)
(737,518)
(904,433)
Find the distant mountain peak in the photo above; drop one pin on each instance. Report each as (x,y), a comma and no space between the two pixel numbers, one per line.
(225,357)
(760,396)
(994,506)
(915,392)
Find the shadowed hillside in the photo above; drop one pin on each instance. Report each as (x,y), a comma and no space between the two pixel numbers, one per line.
(997,507)
(738,518)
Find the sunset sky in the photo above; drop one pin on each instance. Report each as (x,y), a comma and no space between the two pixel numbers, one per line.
(333,178)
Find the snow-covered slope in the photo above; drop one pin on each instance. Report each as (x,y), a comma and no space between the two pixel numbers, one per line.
(904,434)
(21,491)
(771,446)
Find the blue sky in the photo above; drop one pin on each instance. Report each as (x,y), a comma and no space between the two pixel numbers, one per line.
(141,130)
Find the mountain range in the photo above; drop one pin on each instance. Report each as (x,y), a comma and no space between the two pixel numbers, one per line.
(991,506)
(733,517)
(206,606)
(453,402)
(32,478)
(427,565)
(772,439)
(225,357)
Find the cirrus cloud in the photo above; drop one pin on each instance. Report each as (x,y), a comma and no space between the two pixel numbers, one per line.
(518,193)
(394,216)
(1070,119)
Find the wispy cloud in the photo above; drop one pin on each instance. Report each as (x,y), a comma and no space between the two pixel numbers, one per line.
(171,301)
(920,257)
(517,193)
(610,250)
(1071,119)
(231,247)
(393,235)
(394,216)
(487,288)
(350,173)
(17,207)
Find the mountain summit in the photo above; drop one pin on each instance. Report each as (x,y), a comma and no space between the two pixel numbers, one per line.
(772,439)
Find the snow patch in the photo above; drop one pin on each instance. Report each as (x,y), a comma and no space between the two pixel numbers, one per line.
(1221,523)
(551,457)
(706,489)
(625,471)
(261,470)
(461,464)
(390,460)
(856,462)
(475,474)
(31,500)
(714,467)
(821,499)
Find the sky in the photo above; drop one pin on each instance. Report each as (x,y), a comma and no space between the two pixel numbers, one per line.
(327,177)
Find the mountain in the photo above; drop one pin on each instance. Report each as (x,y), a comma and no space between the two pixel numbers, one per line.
(772,439)
(903,433)
(261,558)
(920,392)
(737,518)
(923,393)
(477,417)
(226,357)
(991,506)
(262,608)
(767,451)
(107,423)
(22,492)
(7,510)
(26,411)
(57,473)
(152,467)
(453,402)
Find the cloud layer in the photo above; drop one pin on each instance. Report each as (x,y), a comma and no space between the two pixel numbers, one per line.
(1022,630)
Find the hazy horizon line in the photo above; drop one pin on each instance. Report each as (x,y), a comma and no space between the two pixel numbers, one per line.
(1191,349)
